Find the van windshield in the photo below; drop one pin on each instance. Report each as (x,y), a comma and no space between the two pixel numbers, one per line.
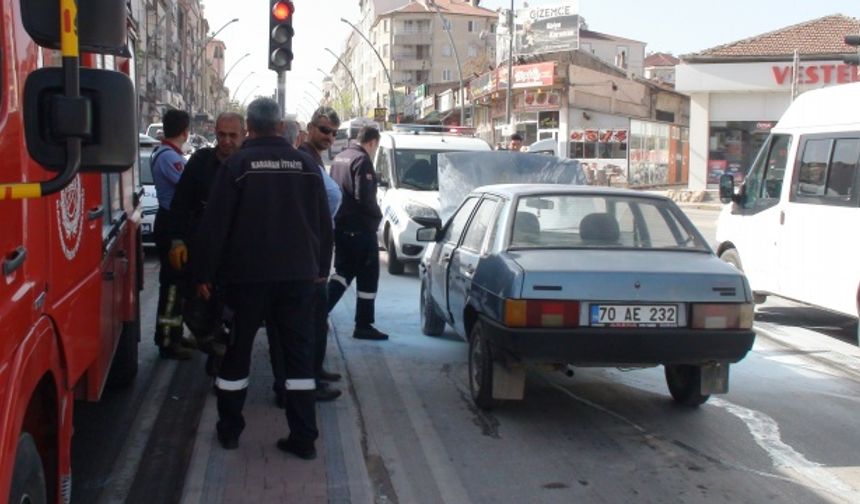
(416,169)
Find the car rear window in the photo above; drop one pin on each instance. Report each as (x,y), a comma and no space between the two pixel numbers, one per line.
(601,221)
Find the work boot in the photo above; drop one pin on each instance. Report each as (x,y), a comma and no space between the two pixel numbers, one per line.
(228,442)
(328,376)
(324,393)
(369,333)
(304,450)
(175,351)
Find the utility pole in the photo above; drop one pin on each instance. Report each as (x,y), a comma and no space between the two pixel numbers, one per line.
(447,28)
(509,105)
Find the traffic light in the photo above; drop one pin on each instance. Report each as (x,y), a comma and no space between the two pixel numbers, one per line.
(281,35)
(853,40)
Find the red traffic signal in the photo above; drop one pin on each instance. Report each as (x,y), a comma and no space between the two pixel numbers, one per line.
(281,35)
(281,11)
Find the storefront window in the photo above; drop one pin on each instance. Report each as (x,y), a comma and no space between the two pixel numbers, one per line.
(733,146)
(658,153)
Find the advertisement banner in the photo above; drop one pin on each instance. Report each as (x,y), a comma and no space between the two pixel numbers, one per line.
(547,28)
(534,75)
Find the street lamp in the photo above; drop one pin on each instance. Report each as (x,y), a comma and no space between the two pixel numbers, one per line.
(240,85)
(314,105)
(447,28)
(357,93)
(312,96)
(224,80)
(245,100)
(391,99)
(509,104)
(203,50)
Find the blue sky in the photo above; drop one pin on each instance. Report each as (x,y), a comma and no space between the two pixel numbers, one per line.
(675,26)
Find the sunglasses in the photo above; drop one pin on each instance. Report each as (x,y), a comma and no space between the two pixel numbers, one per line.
(325,130)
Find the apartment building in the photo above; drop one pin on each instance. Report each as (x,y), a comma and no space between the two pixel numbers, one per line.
(412,39)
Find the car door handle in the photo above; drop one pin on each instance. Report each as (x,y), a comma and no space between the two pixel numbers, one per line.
(470,271)
(446,258)
(95,212)
(14,260)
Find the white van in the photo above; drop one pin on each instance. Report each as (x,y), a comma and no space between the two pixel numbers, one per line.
(794,225)
(409,187)
(347,132)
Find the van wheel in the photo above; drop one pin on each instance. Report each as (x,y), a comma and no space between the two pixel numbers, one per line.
(481,369)
(685,384)
(28,477)
(395,266)
(123,368)
(432,324)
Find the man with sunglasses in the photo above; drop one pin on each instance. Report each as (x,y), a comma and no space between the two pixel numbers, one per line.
(321,131)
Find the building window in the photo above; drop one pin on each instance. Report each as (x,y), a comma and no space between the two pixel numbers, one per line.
(446,51)
(586,47)
(446,25)
(385,51)
(621,55)
(470,26)
(385,25)
(473,52)
(447,75)
(492,27)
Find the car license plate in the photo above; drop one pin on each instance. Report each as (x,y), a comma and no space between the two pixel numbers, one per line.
(616,315)
(146,228)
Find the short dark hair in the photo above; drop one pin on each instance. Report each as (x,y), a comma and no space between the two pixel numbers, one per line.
(327,112)
(367,134)
(517,136)
(176,122)
(264,115)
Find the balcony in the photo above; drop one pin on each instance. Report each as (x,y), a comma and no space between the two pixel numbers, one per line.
(407,63)
(413,38)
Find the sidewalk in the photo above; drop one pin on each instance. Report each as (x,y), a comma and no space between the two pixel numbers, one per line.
(257,472)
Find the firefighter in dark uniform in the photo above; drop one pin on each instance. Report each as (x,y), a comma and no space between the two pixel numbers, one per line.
(267,234)
(356,252)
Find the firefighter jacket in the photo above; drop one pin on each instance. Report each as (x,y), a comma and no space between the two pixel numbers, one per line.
(192,192)
(353,170)
(267,218)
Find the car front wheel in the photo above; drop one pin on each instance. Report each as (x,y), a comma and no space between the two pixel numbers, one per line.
(395,266)
(481,369)
(685,382)
(432,324)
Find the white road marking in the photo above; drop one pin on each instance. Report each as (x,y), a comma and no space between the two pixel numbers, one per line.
(765,431)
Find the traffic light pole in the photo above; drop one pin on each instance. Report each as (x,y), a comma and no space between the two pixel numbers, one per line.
(282,92)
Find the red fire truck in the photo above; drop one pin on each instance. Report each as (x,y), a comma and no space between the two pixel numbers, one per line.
(70,265)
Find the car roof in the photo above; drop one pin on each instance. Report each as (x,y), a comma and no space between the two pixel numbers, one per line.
(434,141)
(516,190)
(147,140)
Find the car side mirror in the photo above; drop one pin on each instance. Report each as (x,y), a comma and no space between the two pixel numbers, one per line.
(727,188)
(428,234)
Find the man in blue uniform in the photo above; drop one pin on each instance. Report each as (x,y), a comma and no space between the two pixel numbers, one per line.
(167,165)
(356,248)
(267,233)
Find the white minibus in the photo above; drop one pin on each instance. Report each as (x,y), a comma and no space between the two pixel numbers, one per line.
(793,226)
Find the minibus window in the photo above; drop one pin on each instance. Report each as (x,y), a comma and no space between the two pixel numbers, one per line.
(763,184)
(844,168)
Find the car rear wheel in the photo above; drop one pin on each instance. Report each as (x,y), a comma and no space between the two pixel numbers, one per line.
(732,257)
(28,477)
(432,324)
(685,383)
(395,266)
(481,369)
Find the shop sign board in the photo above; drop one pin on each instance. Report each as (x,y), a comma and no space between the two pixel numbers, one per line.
(548,28)
(541,100)
(483,84)
(379,114)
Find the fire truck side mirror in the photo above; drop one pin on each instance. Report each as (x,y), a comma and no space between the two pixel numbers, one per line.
(104,119)
(102,24)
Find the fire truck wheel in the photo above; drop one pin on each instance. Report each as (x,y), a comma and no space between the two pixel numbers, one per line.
(28,478)
(124,366)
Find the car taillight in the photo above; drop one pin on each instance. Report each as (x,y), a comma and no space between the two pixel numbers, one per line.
(541,313)
(722,316)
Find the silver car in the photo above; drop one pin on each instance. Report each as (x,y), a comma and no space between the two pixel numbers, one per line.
(585,276)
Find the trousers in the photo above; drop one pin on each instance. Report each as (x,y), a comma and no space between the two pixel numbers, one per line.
(288,306)
(320,328)
(168,322)
(356,256)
